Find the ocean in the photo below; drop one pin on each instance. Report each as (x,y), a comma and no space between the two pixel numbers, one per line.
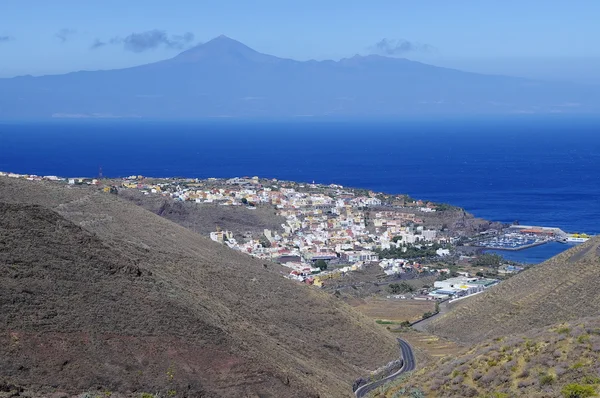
(537,170)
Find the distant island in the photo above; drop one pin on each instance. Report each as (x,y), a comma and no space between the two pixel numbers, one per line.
(225,78)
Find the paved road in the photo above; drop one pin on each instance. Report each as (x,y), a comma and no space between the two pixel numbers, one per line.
(420,325)
(408,364)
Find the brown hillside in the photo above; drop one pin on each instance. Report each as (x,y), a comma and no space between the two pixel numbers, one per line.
(563,288)
(98,293)
(204,218)
(557,361)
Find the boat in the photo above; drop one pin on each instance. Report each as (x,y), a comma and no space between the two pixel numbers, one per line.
(578,238)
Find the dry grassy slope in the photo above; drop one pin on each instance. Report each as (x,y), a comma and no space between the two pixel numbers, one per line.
(561,289)
(195,302)
(206,217)
(541,363)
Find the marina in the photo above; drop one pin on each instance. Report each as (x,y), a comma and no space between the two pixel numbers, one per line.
(520,237)
(512,242)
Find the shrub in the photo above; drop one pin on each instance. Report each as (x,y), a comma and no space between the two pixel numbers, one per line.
(591,379)
(489,378)
(563,330)
(469,392)
(458,379)
(446,370)
(584,338)
(416,393)
(577,365)
(546,379)
(523,374)
(574,390)
(477,375)
(435,385)
(524,383)
(559,371)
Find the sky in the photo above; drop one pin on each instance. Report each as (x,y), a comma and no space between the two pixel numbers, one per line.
(535,38)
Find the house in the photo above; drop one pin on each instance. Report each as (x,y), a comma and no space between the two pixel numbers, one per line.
(442,252)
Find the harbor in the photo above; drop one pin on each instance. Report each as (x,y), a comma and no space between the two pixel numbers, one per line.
(521,237)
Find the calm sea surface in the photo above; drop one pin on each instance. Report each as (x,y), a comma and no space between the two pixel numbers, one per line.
(541,171)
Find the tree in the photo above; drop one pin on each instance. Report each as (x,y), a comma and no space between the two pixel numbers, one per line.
(321,264)
(399,288)
(488,260)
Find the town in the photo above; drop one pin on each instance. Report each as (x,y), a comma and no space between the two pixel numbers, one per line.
(329,230)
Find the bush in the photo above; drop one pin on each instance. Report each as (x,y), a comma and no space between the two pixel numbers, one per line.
(428,315)
(416,393)
(546,379)
(524,383)
(584,338)
(577,365)
(591,379)
(524,374)
(563,330)
(398,288)
(321,264)
(574,390)
(560,371)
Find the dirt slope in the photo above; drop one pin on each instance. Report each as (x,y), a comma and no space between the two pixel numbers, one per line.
(556,361)
(98,293)
(563,288)
(204,218)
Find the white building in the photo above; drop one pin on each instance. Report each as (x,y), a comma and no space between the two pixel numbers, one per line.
(429,234)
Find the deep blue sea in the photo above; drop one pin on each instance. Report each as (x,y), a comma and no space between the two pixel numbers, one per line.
(538,170)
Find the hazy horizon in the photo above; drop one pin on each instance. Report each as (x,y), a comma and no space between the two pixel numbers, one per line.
(549,41)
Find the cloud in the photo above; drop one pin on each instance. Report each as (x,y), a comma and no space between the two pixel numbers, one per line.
(4,39)
(399,47)
(149,40)
(64,34)
(97,44)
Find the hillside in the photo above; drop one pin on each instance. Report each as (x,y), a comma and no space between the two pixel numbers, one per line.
(564,288)
(224,77)
(557,361)
(100,294)
(204,218)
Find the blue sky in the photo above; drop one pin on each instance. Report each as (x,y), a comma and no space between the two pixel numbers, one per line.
(535,37)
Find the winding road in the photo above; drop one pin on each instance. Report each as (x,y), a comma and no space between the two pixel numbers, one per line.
(421,324)
(408,364)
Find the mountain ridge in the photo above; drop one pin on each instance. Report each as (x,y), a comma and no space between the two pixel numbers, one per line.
(224,77)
